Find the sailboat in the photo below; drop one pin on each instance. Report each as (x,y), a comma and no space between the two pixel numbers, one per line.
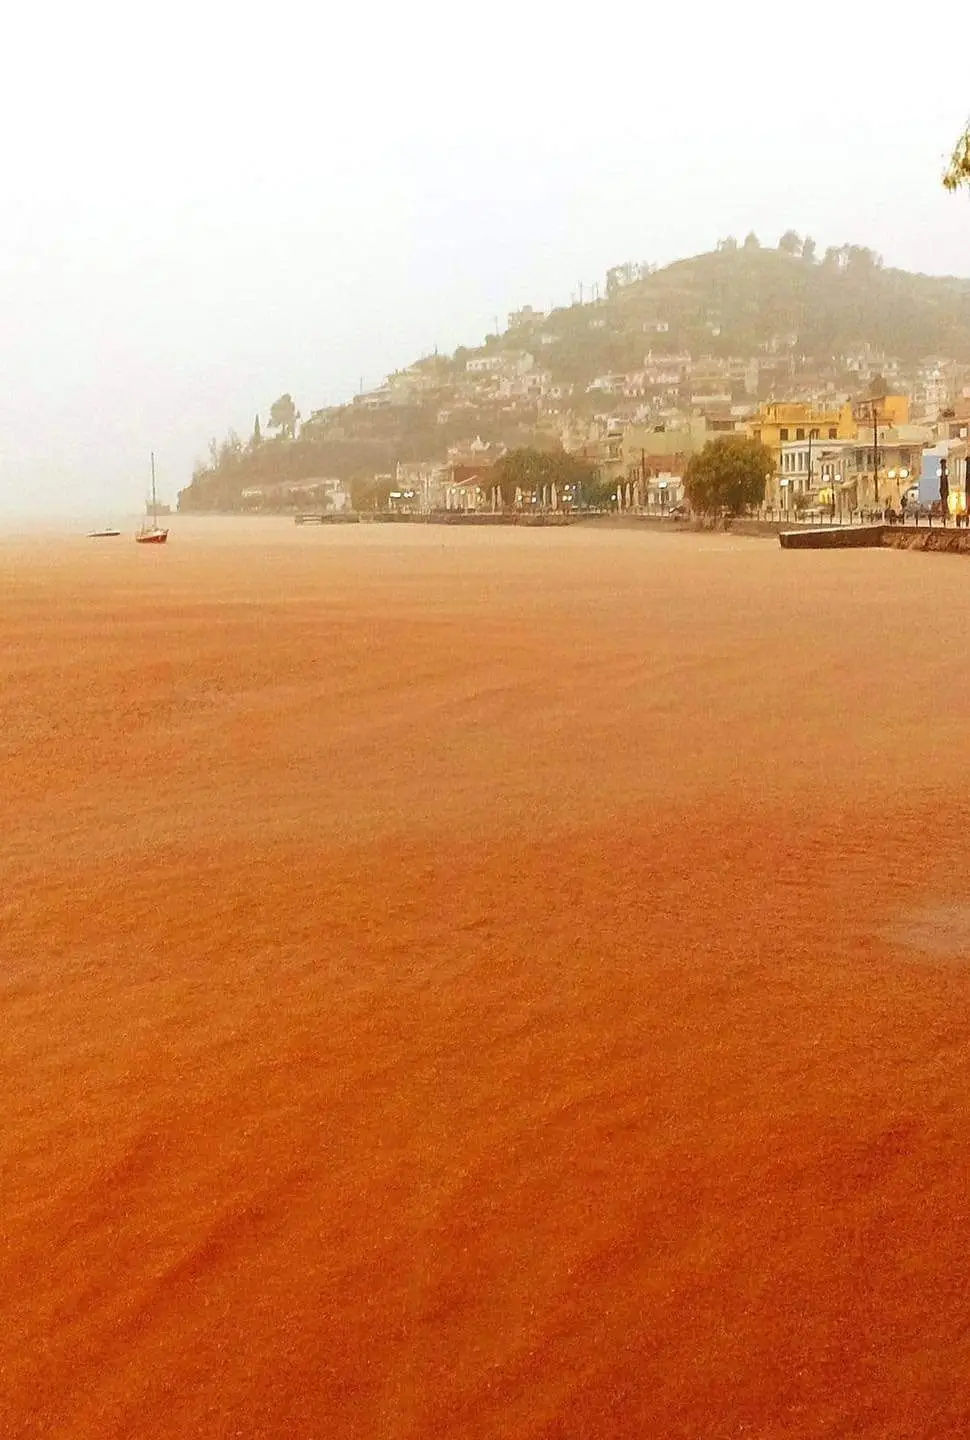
(153,534)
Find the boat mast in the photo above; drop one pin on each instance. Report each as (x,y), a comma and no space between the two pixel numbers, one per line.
(154,503)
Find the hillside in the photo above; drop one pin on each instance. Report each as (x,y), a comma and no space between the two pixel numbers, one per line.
(805,321)
(743,301)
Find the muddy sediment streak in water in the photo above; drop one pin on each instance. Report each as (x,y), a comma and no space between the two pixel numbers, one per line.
(464,984)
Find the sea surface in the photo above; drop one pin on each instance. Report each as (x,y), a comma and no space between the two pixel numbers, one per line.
(474,984)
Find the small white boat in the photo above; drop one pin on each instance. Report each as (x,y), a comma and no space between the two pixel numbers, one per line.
(102,534)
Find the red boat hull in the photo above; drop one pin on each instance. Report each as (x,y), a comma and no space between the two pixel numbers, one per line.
(154,537)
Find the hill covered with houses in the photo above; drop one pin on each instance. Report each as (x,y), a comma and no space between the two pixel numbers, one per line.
(677,352)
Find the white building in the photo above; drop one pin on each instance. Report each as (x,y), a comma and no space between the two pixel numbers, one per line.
(484,365)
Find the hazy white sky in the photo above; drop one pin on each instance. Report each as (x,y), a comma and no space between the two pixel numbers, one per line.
(207,204)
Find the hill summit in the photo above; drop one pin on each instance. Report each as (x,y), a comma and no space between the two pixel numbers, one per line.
(746,299)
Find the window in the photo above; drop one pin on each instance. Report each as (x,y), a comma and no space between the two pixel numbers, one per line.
(813,435)
(799,434)
(783,433)
(833,432)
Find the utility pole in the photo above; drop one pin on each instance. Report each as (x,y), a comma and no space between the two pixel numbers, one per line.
(875,452)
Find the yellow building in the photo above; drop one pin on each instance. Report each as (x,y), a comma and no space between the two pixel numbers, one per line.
(890,410)
(783,420)
(782,423)
(899,453)
(849,471)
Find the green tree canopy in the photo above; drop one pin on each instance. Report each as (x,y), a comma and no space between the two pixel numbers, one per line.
(730,474)
(859,258)
(790,243)
(528,469)
(282,416)
(957,173)
(371,492)
(808,249)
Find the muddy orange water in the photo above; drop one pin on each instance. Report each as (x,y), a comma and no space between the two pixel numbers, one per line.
(483,984)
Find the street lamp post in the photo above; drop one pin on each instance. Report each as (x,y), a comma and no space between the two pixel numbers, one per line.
(830,480)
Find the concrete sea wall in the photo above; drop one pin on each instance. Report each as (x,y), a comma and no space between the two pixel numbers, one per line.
(941,539)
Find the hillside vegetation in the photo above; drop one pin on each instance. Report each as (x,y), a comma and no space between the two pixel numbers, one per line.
(754,297)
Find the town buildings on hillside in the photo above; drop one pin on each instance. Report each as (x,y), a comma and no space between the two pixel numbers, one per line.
(855,425)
